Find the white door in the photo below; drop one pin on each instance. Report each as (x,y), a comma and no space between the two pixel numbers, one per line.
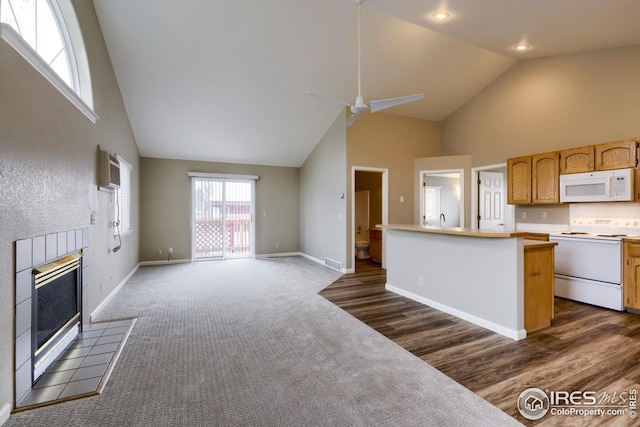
(491,199)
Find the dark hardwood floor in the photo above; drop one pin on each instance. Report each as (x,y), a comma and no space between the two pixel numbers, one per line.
(586,347)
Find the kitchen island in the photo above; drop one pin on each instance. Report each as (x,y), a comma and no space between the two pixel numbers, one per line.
(481,276)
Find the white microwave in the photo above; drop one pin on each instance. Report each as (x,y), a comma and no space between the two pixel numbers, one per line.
(601,186)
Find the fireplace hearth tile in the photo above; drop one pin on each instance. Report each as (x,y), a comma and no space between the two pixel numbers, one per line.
(79,388)
(65,365)
(97,359)
(42,395)
(104,348)
(95,327)
(73,376)
(92,334)
(54,378)
(84,342)
(84,373)
(108,339)
(76,352)
(116,330)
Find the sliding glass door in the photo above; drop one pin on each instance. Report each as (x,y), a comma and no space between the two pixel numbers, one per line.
(222,211)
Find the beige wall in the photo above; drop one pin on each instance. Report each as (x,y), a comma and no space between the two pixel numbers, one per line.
(323,230)
(443,163)
(549,104)
(48,177)
(166,206)
(387,141)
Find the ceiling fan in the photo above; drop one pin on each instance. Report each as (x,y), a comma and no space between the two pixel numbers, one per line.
(374,105)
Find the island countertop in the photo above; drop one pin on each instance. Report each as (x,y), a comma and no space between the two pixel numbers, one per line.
(458,231)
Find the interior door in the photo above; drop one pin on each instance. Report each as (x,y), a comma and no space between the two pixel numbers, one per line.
(222,218)
(491,199)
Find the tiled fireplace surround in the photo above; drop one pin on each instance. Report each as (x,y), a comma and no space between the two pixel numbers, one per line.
(31,253)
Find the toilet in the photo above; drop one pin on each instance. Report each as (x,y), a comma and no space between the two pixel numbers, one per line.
(362,249)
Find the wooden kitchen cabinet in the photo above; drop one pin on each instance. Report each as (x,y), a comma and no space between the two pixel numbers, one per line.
(545,178)
(519,180)
(533,179)
(538,284)
(375,244)
(631,282)
(616,155)
(576,160)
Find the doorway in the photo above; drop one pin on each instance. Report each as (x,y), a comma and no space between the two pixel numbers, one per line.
(372,184)
(442,198)
(222,218)
(489,208)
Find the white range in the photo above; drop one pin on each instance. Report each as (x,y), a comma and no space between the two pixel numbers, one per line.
(588,268)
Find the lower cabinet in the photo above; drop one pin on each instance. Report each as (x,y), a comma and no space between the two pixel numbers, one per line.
(632,274)
(375,244)
(538,284)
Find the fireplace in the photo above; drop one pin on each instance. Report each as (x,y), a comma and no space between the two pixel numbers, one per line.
(51,301)
(56,309)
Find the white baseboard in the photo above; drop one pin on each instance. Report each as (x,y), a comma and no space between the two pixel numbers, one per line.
(163,262)
(279,254)
(514,334)
(112,294)
(5,412)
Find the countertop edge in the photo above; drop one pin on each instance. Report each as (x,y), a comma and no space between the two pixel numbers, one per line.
(456,231)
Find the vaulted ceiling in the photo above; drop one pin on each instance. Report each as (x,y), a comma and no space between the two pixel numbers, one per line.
(226,81)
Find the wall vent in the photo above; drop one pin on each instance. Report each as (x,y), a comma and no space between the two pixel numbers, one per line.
(336,265)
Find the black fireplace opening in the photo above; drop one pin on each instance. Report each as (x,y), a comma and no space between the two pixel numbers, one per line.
(56,307)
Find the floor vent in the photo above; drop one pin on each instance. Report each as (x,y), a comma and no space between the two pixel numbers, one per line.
(336,265)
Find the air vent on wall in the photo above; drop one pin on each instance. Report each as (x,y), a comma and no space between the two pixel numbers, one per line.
(336,265)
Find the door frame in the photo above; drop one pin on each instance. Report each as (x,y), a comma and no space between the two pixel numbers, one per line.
(509,210)
(422,183)
(385,211)
(192,202)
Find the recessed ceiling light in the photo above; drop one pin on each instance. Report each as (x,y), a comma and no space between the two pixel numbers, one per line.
(441,16)
(522,47)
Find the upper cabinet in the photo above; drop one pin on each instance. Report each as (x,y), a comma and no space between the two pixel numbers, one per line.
(616,155)
(575,160)
(533,179)
(519,180)
(545,177)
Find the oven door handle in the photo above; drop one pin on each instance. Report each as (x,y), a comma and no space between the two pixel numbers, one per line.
(585,240)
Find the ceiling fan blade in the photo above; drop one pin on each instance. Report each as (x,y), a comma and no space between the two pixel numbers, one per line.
(381,104)
(352,119)
(327,98)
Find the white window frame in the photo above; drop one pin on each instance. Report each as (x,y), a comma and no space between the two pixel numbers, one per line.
(81,95)
(122,202)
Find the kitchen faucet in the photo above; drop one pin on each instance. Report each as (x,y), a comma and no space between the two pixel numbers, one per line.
(442,219)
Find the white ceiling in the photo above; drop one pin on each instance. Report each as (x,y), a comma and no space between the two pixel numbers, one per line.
(226,81)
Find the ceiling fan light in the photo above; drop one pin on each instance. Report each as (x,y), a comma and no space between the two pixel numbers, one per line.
(522,47)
